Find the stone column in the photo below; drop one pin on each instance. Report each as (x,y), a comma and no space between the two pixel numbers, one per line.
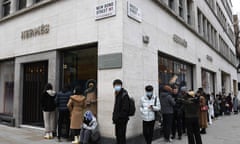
(13,6)
(29,3)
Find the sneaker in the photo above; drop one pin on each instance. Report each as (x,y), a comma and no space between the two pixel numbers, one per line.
(47,136)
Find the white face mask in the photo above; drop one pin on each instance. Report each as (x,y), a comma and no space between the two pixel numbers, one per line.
(117,88)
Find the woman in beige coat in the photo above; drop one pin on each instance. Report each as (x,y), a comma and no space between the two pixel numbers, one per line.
(76,106)
(203,114)
(91,96)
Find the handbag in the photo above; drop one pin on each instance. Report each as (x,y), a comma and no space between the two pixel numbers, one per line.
(204,108)
(158,115)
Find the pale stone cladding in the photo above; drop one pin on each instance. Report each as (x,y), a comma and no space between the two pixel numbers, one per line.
(72,23)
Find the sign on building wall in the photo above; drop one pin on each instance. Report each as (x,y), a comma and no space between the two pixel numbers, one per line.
(105,10)
(34,32)
(180,40)
(134,12)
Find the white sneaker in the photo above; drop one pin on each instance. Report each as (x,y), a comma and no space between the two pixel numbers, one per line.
(47,136)
(50,135)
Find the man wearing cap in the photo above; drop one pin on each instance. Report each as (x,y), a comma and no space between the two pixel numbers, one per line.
(120,115)
(191,108)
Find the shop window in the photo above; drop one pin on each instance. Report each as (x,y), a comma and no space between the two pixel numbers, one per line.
(6,87)
(6,7)
(22,4)
(169,67)
(208,81)
(79,66)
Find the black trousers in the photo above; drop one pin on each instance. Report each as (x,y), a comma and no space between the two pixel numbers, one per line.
(193,132)
(63,116)
(120,131)
(167,125)
(148,127)
(177,125)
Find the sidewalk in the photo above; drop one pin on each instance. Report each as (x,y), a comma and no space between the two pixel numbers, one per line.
(225,130)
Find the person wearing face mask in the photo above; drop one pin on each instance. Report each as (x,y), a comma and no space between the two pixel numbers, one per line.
(120,115)
(148,105)
(91,96)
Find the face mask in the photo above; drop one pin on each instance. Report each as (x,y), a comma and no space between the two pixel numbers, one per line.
(117,88)
(149,94)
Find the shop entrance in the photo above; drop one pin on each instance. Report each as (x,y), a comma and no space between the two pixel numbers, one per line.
(34,79)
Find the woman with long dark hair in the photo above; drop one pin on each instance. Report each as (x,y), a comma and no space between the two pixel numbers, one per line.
(48,107)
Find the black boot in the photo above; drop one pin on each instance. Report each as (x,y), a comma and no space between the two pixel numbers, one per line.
(203,131)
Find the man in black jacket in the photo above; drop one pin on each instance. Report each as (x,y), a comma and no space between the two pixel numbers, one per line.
(120,112)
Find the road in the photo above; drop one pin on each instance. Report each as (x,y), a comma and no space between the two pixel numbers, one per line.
(225,130)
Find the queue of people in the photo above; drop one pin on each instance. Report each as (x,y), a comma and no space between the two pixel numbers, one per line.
(77,112)
(182,110)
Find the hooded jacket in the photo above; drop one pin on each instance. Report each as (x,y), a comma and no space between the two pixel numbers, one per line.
(167,103)
(148,114)
(91,97)
(48,101)
(76,105)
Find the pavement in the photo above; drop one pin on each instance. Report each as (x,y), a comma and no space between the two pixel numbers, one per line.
(225,130)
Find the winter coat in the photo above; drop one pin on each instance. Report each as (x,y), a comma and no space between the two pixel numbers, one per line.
(191,106)
(148,114)
(167,103)
(76,105)
(235,104)
(48,101)
(91,101)
(90,125)
(178,107)
(62,99)
(121,107)
(202,114)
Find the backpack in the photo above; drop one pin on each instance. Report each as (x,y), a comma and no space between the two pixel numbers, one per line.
(132,107)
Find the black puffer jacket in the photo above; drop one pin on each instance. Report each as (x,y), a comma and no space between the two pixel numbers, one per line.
(62,100)
(48,101)
(121,107)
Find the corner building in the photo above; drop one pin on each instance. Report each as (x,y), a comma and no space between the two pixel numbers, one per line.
(139,41)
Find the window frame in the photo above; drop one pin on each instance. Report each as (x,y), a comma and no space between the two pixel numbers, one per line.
(4,5)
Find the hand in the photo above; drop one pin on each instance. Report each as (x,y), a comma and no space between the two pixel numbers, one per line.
(151,107)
